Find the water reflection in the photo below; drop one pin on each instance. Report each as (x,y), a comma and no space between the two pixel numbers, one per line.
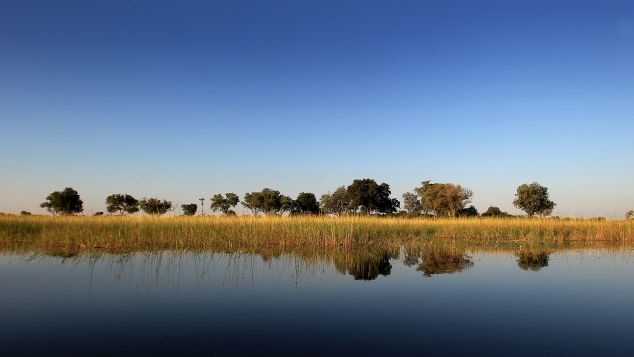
(365,265)
(437,260)
(533,260)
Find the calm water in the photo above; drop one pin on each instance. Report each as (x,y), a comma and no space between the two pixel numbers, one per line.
(575,302)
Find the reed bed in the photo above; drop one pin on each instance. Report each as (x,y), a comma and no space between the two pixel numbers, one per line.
(143,233)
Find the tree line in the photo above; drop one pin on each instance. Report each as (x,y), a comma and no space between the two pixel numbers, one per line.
(362,196)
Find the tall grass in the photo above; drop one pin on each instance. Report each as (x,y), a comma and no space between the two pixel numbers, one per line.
(113,233)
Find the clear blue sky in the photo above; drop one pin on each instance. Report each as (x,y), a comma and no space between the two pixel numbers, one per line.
(185,99)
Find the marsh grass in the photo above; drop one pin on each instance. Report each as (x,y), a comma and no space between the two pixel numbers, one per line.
(69,235)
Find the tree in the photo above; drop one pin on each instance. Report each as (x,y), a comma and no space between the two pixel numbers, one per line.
(411,202)
(122,204)
(336,203)
(267,201)
(155,206)
(366,196)
(470,211)
(495,212)
(98,213)
(25,213)
(64,202)
(224,203)
(443,199)
(629,214)
(306,203)
(533,199)
(189,209)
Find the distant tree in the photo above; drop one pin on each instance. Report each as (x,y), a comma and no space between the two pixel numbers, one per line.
(470,211)
(224,203)
(155,206)
(629,214)
(367,197)
(411,202)
(98,213)
(306,203)
(443,199)
(336,203)
(122,203)
(189,209)
(533,199)
(495,212)
(25,213)
(267,201)
(64,202)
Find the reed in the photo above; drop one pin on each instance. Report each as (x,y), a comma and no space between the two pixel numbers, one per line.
(135,233)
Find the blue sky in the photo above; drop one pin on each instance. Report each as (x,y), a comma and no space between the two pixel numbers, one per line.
(182,100)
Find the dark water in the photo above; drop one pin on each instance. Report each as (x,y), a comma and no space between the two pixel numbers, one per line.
(434,302)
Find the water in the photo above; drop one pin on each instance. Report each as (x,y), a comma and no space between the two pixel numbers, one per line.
(438,302)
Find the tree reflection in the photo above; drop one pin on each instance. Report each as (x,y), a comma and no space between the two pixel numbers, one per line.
(533,260)
(364,265)
(437,260)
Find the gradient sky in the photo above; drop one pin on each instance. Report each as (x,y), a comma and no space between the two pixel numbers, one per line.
(184,99)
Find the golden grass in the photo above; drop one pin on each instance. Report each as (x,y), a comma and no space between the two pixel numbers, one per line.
(143,233)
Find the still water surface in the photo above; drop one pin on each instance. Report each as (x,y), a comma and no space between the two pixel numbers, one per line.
(566,302)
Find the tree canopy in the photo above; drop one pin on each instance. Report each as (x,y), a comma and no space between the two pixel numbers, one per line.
(533,199)
(411,203)
(306,203)
(224,203)
(366,196)
(443,199)
(64,202)
(336,203)
(495,212)
(122,203)
(267,201)
(189,209)
(155,206)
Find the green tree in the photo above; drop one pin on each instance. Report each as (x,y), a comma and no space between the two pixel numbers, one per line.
(122,204)
(367,197)
(336,203)
(155,206)
(267,201)
(470,211)
(495,212)
(189,209)
(64,202)
(533,199)
(443,199)
(306,203)
(224,203)
(411,203)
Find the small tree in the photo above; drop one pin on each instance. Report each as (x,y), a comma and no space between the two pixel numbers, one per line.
(306,203)
(443,199)
(25,213)
(629,214)
(411,203)
(64,202)
(224,203)
(189,209)
(533,199)
(98,213)
(122,203)
(495,212)
(155,206)
(267,201)
(336,203)
(367,196)
(470,211)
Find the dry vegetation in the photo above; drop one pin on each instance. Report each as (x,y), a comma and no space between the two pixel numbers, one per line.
(143,233)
